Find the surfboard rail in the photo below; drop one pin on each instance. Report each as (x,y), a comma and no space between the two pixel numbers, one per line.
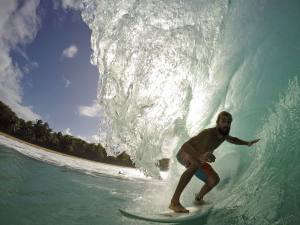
(169,217)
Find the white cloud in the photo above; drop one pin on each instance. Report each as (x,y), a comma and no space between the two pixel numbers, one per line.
(70,52)
(92,139)
(72,4)
(95,138)
(34,65)
(67,82)
(27,68)
(90,111)
(18,25)
(67,131)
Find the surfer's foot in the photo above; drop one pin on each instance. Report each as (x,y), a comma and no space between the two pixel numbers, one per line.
(178,208)
(199,201)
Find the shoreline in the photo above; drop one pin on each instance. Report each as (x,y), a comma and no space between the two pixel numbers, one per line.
(59,153)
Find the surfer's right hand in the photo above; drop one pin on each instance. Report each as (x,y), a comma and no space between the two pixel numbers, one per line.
(207,157)
(211,157)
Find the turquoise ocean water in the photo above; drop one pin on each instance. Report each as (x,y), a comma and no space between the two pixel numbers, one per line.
(34,192)
(166,69)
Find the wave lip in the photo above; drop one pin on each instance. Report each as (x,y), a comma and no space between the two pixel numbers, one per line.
(155,60)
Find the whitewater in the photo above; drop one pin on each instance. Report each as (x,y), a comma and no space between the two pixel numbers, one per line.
(166,69)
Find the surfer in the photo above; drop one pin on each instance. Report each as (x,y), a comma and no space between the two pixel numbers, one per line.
(196,153)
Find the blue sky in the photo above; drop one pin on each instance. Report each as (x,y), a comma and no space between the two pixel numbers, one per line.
(45,69)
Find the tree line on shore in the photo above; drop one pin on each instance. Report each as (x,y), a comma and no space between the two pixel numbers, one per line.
(39,133)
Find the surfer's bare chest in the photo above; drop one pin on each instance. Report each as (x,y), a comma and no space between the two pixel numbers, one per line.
(207,140)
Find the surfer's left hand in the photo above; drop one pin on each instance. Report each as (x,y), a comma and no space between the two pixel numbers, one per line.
(250,143)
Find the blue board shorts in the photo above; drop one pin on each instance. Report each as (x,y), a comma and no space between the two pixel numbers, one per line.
(202,173)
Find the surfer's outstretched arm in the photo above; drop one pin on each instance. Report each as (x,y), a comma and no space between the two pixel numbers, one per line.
(237,141)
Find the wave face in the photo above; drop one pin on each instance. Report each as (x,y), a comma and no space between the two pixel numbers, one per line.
(167,68)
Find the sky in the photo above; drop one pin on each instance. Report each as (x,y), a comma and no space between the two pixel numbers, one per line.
(45,69)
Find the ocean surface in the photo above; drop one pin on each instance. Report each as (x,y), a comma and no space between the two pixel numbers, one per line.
(40,187)
(167,68)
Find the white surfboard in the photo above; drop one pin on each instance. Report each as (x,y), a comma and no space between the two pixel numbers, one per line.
(169,216)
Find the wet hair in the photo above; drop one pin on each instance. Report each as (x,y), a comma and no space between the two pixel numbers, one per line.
(224,113)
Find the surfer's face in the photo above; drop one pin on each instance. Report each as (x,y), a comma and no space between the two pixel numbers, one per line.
(224,124)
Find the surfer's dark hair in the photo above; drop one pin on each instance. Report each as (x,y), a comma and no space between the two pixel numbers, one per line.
(224,113)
